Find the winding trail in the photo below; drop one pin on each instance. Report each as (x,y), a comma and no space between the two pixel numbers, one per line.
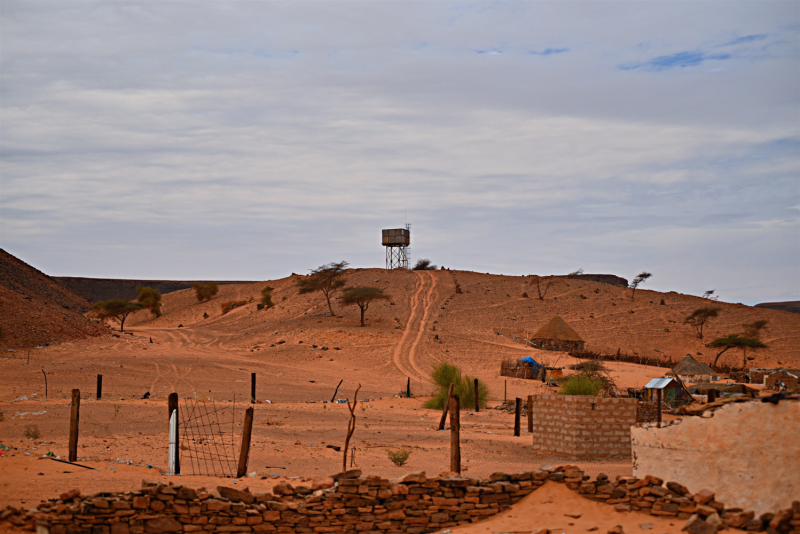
(404,355)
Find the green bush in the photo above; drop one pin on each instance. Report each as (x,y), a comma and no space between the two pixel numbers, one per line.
(399,458)
(464,386)
(266,298)
(581,384)
(259,306)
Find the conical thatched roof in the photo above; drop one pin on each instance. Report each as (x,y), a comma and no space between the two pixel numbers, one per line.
(691,367)
(557,328)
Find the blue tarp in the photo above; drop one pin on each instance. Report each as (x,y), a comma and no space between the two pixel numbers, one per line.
(530,361)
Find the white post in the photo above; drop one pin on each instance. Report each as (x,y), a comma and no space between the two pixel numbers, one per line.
(173,442)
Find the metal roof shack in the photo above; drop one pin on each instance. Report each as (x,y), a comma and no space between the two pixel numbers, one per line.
(662,383)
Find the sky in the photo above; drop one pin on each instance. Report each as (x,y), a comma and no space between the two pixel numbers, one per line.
(249,140)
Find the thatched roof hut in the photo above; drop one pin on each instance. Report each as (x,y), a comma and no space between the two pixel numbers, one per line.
(690,370)
(557,335)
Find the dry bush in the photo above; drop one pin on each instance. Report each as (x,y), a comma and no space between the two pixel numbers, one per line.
(399,458)
(231,305)
(32,432)
(205,291)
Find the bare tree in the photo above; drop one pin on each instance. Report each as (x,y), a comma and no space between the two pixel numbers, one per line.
(710,295)
(700,317)
(351,426)
(639,280)
(537,281)
(327,278)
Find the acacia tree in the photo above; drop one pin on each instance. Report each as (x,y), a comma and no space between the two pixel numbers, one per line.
(736,341)
(118,309)
(754,329)
(700,317)
(639,280)
(362,296)
(327,278)
(205,291)
(537,281)
(151,299)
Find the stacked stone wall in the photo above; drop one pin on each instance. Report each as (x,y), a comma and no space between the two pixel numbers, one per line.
(578,427)
(646,412)
(352,504)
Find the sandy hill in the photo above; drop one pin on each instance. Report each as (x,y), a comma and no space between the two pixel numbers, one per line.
(36,310)
(473,318)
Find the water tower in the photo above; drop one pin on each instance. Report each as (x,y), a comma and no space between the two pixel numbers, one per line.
(397,241)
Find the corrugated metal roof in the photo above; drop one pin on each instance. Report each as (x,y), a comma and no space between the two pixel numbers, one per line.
(659,383)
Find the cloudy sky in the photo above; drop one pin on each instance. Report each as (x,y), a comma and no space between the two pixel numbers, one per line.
(248,140)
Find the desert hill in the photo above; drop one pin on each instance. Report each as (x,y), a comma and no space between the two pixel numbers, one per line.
(428,320)
(97,289)
(791,306)
(36,310)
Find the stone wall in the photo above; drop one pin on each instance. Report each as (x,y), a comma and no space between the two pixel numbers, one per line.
(580,427)
(747,453)
(646,412)
(350,504)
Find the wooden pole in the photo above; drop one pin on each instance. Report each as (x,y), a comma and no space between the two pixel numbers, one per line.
(45,383)
(658,400)
(455,431)
(252,388)
(477,397)
(517,410)
(247,430)
(99,387)
(351,426)
(172,406)
(530,414)
(446,405)
(337,390)
(408,388)
(505,392)
(74,417)
(712,395)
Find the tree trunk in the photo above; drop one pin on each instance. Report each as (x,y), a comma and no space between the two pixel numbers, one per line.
(328,300)
(718,355)
(362,314)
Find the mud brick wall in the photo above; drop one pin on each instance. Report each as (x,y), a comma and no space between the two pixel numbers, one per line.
(646,412)
(351,504)
(580,427)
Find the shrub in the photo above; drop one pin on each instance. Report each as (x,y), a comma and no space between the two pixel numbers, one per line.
(230,305)
(581,384)
(399,458)
(424,264)
(464,386)
(259,306)
(151,299)
(205,291)
(31,432)
(266,298)
(205,315)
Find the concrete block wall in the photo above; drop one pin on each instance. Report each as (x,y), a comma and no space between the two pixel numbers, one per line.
(578,427)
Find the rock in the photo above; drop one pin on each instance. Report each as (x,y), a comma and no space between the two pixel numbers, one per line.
(703,496)
(714,520)
(283,488)
(321,483)
(646,526)
(69,495)
(698,526)
(162,524)
(677,489)
(236,495)
(416,477)
(353,473)
(737,519)
(616,530)
(547,467)
(573,516)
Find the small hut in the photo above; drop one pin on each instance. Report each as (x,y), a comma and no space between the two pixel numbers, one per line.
(671,390)
(787,377)
(557,335)
(690,370)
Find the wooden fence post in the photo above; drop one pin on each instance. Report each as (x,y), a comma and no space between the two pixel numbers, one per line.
(174,460)
(477,397)
(247,430)
(74,417)
(712,395)
(658,400)
(446,405)
(45,383)
(99,387)
(505,392)
(517,410)
(408,388)
(455,431)
(530,414)
(252,388)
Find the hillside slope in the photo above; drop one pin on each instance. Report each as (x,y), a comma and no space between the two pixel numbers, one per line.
(36,310)
(427,321)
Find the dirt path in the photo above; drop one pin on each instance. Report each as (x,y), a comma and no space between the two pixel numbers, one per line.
(404,356)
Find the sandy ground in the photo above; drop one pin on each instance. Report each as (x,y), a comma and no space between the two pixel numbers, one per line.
(300,354)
